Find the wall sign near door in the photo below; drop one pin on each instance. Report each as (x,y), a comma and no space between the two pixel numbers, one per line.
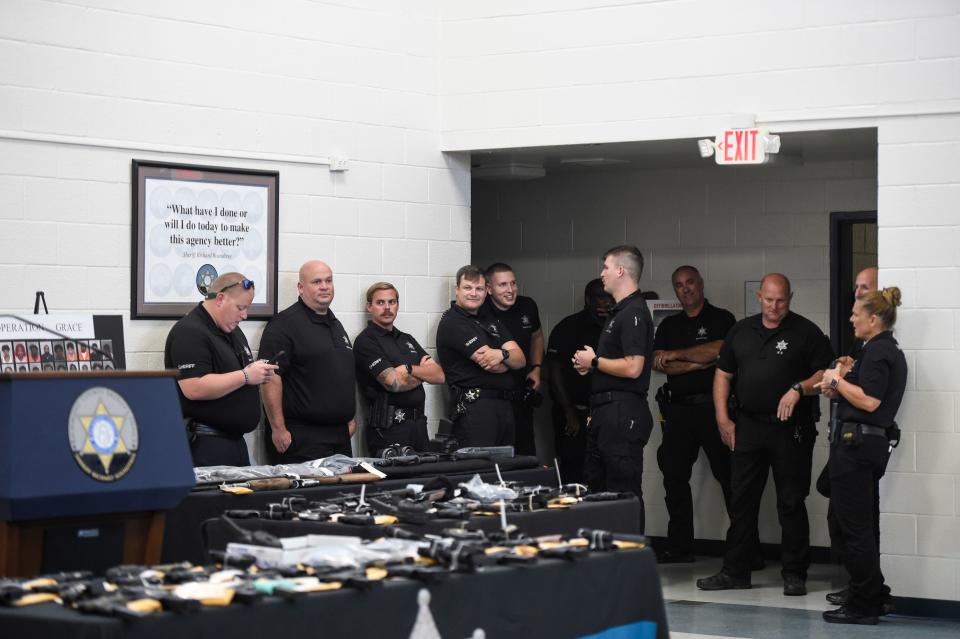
(741,146)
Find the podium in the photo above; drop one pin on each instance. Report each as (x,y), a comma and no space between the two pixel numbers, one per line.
(89,461)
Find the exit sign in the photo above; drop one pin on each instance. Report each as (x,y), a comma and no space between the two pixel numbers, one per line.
(743,146)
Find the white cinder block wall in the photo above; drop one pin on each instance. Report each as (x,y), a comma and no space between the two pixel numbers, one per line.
(732,224)
(589,71)
(221,80)
(360,79)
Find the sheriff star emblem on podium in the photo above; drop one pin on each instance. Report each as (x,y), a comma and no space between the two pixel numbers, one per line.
(103,434)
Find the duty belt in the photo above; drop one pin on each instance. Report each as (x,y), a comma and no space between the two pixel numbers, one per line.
(599,399)
(196,429)
(401,415)
(693,400)
(466,396)
(866,429)
(766,418)
(470,395)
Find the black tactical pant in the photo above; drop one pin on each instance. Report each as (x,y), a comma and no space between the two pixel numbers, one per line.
(313,442)
(837,544)
(213,450)
(485,422)
(410,432)
(616,436)
(687,429)
(855,474)
(524,436)
(762,445)
(570,449)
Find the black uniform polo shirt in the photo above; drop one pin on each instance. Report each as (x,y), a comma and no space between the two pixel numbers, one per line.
(377,350)
(459,336)
(570,335)
(627,331)
(196,347)
(521,320)
(766,362)
(317,370)
(680,331)
(881,371)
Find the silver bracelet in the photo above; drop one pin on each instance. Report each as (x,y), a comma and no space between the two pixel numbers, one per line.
(246,380)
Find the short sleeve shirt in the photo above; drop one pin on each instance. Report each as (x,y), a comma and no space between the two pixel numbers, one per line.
(881,371)
(766,362)
(627,331)
(196,347)
(570,335)
(317,369)
(680,331)
(377,350)
(459,336)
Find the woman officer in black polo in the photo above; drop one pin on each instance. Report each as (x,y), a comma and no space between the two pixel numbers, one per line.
(868,398)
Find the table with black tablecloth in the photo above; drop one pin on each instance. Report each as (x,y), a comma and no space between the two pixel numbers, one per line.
(622,516)
(182,540)
(553,598)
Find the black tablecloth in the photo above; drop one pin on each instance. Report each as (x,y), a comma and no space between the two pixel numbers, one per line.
(553,598)
(182,540)
(617,516)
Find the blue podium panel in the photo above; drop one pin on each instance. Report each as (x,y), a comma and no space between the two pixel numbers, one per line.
(91,443)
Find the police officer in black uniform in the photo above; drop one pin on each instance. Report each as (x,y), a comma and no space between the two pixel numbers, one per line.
(570,391)
(686,348)
(391,369)
(864,282)
(310,405)
(521,317)
(776,357)
(868,398)
(477,354)
(620,420)
(218,377)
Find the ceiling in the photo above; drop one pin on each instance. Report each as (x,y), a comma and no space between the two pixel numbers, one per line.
(795,148)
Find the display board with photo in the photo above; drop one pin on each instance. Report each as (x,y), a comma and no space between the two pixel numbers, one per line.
(101,348)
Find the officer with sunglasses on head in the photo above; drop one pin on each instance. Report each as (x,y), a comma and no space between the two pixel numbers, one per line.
(219,381)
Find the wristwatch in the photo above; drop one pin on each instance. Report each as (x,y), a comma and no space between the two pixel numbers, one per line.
(797,387)
(834,382)
(506,354)
(595,362)
(409,369)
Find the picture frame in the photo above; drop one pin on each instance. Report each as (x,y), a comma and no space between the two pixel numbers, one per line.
(193,223)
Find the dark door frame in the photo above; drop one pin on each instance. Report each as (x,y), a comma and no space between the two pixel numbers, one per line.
(841,268)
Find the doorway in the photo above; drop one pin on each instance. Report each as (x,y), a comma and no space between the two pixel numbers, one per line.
(853,247)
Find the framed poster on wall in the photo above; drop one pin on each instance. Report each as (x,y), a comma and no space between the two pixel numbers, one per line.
(193,223)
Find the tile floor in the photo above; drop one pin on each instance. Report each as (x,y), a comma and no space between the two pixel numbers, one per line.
(765,613)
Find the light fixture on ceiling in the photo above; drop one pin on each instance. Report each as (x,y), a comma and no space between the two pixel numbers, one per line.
(594,161)
(508,172)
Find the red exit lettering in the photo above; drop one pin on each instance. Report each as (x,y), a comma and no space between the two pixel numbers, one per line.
(740,146)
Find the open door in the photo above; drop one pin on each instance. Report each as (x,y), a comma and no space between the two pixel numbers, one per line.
(853,247)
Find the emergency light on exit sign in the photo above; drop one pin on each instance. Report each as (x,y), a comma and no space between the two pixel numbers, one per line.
(741,146)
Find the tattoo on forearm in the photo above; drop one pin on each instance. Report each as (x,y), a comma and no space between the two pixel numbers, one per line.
(392,385)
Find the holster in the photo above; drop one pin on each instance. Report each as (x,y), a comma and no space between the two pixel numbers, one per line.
(849,434)
(379,418)
(732,406)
